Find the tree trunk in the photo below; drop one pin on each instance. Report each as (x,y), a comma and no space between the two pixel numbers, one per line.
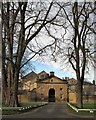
(79,94)
(4,74)
(11,92)
(15,90)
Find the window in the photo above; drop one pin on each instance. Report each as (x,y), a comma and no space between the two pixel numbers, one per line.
(42,76)
(41,94)
(61,89)
(60,97)
(51,80)
(73,87)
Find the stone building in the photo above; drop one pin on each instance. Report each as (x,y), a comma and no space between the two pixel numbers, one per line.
(72,92)
(50,88)
(43,87)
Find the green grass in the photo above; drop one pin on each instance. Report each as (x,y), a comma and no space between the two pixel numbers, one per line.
(89,106)
(80,113)
(83,113)
(6,105)
(86,105)
(7,110)
(26,104)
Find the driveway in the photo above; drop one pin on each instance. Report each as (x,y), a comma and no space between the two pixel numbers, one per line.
(52,110)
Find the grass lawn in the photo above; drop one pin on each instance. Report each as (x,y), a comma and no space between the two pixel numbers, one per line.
(6,109)
(26,104)
(83,113)
(87,105)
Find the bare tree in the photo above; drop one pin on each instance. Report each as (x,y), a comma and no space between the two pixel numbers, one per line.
(0,52)
(77,44)
(22,23)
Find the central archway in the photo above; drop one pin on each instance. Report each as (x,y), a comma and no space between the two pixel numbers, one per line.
(51,95)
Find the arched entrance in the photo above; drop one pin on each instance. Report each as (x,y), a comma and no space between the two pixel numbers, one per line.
(51,95)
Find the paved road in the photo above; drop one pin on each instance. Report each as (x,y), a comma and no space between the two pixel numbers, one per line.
(52,110)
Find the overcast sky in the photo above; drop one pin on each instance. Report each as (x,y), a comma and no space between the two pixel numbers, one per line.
(49,65)
(66,72)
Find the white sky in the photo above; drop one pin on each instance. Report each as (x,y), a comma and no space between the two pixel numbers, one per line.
(57,65)
(48,0)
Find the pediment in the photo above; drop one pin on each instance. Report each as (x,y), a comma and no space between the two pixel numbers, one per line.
(52,80)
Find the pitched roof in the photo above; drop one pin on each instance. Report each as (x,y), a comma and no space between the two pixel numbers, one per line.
(87,83)
(30,75)
(42,72)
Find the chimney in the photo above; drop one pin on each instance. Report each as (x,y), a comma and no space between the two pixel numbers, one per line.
(66,78)
(51,74)
(93,82)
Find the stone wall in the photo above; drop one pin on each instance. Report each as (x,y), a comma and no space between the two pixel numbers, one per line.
(60,91)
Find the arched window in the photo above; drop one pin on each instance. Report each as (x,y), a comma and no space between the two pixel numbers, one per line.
(51,80)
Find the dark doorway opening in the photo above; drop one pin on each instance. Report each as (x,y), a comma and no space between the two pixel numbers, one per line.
(51,95)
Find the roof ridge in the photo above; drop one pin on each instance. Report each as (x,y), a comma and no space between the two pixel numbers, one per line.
(30,73)
(42,71)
